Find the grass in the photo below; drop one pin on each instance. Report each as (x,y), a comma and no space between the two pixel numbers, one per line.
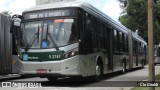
(157,77)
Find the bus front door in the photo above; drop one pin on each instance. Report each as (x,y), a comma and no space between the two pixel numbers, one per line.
(109,48)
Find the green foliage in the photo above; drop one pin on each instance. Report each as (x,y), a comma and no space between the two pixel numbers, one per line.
(135,17)
(6,12)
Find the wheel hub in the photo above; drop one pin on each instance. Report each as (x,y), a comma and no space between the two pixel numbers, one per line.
(98,70)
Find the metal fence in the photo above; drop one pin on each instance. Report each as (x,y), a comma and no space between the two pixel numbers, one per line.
(5,45)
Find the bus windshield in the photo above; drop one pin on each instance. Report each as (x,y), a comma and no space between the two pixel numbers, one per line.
(48,33)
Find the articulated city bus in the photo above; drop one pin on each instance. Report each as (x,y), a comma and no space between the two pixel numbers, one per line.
(75,39)
(157,54)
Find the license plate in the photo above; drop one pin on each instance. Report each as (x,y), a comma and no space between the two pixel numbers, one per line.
(41,71)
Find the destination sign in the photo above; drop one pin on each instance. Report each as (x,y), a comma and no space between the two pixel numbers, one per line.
(49,13)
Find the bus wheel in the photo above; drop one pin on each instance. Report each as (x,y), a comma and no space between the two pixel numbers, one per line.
(123,67)
(142,63)
(52,78)
(98,72)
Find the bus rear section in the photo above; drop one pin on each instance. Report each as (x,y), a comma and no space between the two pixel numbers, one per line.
(157,55)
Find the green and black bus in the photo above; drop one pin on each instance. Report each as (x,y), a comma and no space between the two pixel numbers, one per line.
(75,39)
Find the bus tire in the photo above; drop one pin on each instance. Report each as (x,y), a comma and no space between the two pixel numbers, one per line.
(142,63)
(77,78)
(99,72)
(52,78)
(124,66)
(25,76)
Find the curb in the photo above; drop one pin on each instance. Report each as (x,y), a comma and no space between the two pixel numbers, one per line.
(9,77)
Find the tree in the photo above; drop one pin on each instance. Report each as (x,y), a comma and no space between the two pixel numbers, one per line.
(135,17)
(6,12)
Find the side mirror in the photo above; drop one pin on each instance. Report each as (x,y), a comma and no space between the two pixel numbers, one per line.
(16,20)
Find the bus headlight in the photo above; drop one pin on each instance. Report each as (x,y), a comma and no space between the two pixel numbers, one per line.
(71,53)
(19,55)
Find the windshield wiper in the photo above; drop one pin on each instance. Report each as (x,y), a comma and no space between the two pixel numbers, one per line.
(38,34)
(47,32)
(35,36)
(52,38)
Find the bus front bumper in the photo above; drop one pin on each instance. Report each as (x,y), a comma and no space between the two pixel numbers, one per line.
(66,67)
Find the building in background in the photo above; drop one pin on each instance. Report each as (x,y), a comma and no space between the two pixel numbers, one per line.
(39,2)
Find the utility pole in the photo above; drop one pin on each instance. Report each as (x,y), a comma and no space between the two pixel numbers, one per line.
(151,77)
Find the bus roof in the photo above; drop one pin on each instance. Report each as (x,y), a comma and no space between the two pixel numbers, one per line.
(90,9)
(87,7)
(139,38)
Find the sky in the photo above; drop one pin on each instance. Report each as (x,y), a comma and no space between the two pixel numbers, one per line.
(109,7)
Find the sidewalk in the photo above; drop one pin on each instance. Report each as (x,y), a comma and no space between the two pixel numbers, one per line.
(9,76)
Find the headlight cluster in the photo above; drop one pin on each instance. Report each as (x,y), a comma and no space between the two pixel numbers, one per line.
(19,55)
(71,53)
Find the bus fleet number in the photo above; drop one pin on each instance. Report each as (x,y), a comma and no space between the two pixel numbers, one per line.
(54,56)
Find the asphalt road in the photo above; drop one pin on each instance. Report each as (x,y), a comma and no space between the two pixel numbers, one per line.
(115,81)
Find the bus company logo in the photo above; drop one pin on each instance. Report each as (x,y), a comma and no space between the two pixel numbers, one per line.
(25,57)
(6,84)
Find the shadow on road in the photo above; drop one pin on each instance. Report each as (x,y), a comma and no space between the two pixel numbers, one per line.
(71,82)
(78,82)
